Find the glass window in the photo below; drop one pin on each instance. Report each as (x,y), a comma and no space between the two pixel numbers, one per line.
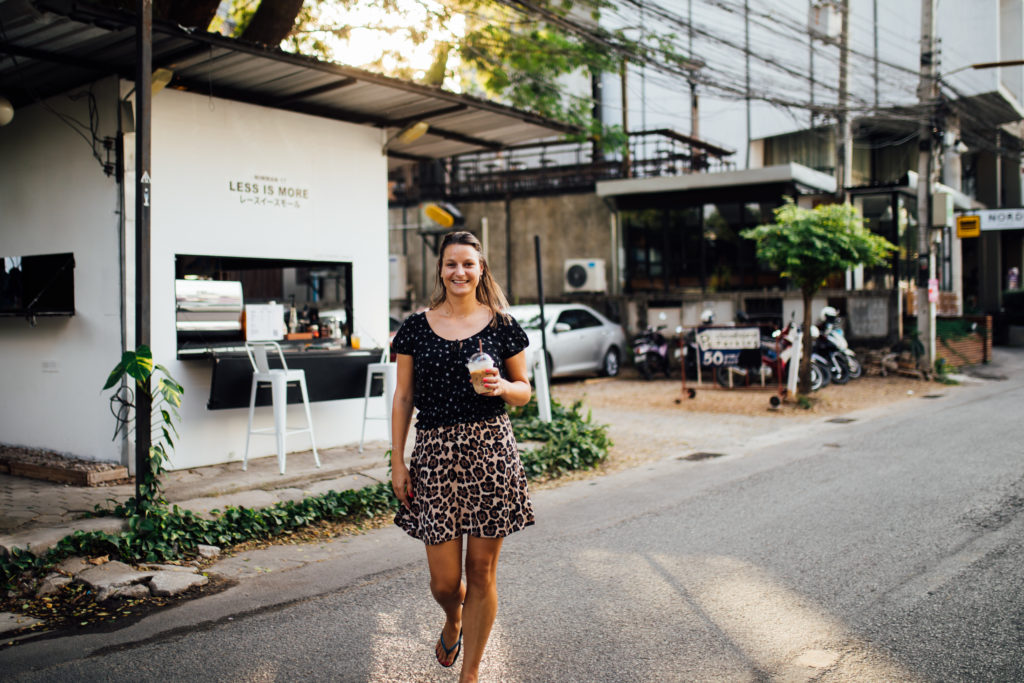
(577,318)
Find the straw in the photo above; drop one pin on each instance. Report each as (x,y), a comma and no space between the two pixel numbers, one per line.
(481,343)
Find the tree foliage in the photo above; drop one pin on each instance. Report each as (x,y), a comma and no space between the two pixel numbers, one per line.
(808,245)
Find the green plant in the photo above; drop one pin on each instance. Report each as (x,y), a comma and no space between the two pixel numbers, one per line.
(571,441)
(138,365)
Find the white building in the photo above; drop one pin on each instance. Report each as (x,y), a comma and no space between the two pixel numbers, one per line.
(268,169)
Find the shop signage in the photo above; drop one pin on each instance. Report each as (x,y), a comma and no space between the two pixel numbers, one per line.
(722,345)
(1000,219)
(268,191)
(968,226)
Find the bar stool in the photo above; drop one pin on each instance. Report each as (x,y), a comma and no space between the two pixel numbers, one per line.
(279,379)
(389,374)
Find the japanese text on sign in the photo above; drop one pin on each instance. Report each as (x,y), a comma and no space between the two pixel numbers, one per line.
(729,338)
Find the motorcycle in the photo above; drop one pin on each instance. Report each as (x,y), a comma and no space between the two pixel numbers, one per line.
(831,344)
(650,352)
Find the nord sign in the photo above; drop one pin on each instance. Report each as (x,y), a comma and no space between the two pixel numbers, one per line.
(999,219)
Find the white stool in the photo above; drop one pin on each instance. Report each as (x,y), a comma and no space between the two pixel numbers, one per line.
(389,374)
(279,379)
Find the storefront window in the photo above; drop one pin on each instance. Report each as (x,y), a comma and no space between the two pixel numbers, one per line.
(695,247)
(212,291)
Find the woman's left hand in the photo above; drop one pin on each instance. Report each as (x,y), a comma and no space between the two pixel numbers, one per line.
(493,382)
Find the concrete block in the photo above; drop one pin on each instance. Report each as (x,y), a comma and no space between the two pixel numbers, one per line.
(111,575)
(172,583)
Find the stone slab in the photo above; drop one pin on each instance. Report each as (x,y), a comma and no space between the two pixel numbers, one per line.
(171,583)
(111,575)
(10,622)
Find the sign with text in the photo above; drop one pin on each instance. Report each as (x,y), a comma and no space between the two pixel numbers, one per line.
(997,219)
(968,226)
(722,345)
(268,191)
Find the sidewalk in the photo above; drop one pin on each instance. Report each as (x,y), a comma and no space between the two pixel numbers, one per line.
(37,514)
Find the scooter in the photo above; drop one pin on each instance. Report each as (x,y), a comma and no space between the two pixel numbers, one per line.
(835,344)
(650,352)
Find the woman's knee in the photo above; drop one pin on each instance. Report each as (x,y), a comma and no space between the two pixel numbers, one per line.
(481,571)
(445,586)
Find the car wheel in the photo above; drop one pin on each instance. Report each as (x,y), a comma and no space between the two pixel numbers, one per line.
(610,364)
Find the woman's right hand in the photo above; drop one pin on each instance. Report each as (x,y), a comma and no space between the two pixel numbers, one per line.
(401,484)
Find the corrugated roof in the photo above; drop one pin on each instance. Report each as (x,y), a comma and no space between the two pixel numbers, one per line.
(50,47)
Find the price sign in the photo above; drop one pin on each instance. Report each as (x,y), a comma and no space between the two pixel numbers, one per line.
(722,345)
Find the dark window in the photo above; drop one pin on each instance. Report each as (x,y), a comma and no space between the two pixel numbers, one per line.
(578,318)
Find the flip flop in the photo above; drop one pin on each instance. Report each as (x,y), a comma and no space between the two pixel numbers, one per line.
(448,650)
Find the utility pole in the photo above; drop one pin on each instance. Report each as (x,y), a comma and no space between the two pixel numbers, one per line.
(844,143)
(694,102)
(810,44)
(627,164)
(927,93)
(746,51)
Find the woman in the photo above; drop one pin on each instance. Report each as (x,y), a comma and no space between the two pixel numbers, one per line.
(464,476)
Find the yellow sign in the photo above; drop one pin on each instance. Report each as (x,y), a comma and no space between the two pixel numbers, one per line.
(968,226)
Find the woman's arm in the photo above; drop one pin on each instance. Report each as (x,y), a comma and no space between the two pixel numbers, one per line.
(401,417)
(516,389)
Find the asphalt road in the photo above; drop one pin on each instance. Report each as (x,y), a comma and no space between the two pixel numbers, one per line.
(888,548)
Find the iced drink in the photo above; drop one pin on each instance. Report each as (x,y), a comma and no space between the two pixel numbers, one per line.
(479,364)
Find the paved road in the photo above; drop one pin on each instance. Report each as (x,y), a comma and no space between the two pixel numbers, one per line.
(888,548)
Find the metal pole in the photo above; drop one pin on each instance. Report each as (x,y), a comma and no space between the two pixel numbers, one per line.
(926,94)
(143,185)
(844,146)
(810,44)
(746,50)
(541,378)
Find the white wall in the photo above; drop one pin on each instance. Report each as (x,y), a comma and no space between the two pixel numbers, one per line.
(55,197)
(203,149)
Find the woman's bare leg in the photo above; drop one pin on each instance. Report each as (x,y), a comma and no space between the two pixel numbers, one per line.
(481,602)
(445,561)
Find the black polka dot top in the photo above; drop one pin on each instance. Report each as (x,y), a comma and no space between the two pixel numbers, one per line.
(442,391)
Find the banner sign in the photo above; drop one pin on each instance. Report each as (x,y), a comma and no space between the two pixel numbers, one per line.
(722,345)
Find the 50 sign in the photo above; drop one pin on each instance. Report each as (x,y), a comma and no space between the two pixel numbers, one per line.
(719,357)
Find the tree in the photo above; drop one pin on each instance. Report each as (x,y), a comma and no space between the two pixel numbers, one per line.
(808,245)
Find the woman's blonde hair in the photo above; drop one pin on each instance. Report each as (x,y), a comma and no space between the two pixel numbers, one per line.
(488,291)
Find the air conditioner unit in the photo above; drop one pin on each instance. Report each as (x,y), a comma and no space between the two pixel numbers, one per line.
(396,275)
(584,275)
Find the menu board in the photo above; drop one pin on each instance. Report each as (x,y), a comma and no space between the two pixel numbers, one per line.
(264,321)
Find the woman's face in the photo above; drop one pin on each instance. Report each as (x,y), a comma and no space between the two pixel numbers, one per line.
(460,269)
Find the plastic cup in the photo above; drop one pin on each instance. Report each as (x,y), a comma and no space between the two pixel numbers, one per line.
(478,365)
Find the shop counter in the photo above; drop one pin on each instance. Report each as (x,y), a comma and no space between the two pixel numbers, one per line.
(331,374)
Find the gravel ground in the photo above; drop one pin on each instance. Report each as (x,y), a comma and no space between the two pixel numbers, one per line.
(650,420)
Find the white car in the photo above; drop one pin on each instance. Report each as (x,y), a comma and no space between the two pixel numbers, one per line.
(579,339)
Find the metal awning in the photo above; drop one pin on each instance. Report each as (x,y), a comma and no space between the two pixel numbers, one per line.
(48,47)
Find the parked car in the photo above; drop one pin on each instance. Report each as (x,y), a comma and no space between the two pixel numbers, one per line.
(579,339)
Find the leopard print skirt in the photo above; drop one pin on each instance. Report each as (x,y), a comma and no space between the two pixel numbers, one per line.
(466,479)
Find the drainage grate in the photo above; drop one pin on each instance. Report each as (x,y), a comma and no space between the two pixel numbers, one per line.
(933,396)
(842,420)
(700,455)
